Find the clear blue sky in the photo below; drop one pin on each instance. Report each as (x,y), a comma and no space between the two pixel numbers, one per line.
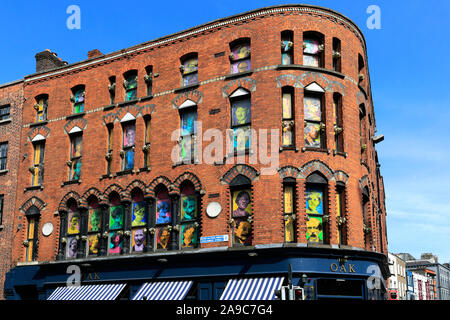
(408,62)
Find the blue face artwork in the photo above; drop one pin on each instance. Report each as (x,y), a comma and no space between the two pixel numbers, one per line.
(163,214)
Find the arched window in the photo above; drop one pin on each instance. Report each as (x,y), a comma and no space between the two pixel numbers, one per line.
(337,54)
(240,58)
(73,230)
(190,209)
(316,208)
(313,48)
(32,238)
(287,47)
(314,116)
(77,98)
(289,210)
(95,227)
(241,116)
(189,69)
(130,85)
(37,169)
(128,146)
(139,221)
(116,225)
(241,211)
(163,219)
(41,107)
(288,117)
(188,129)
(75,156)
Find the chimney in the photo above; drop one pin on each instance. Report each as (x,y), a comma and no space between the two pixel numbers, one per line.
(47,60)
(94,53)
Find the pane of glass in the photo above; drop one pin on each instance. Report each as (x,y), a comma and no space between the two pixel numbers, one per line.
(314,201)
(139,216)
(314,229)
(163,211)
(312,108)
(95,220)
(311,46)
(73,223)
(190,65)
(129,160)
(76,169)
(131,82)
(286,58)
(289,229)
(93,244)
(242,232)
(129,135)
(116,217)
(131,94)
(162,238)
(139,240)
(242,137)
(242,203)
(190,79)
(240,66)
(115,243)
(312,135)
(288,133)
(72,248)
(286,103)
(188,208)
(79,96)
(311,61)
(76,146)
(188,235)
(241,112)
(188,122)
(288,199)
(287,46)
(186,148)
(240,51)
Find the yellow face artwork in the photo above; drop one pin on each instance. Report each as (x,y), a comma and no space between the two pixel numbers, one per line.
(314,230)
(314,200)
(241,115)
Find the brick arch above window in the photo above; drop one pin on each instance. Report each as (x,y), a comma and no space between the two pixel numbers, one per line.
(70,195)
(91,192)
(33,201)
(194,97)
(187,176)
(364,182)
(240,169)
(341,176)
(38,133)
(247,83)
(110,189)
(157,181)
(316,165)
(75,125)
(289,172)
(135,184)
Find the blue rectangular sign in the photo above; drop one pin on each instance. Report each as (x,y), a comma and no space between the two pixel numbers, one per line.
(210,239)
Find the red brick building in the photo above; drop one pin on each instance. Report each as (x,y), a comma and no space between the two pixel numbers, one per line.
(105,188)
(11,100)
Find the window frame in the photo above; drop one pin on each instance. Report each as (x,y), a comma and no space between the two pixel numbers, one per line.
(75,159)
(189,137)
(4,157)
(186,75)
(77,92)
(126,149)
(234,101)
(5,115)
(240,43)
(129,77)
(287,122)
(319,55)
(287,46)
(38,166)
(321,123)
(290,183)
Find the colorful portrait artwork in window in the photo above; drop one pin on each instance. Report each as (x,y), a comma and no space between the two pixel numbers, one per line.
(242,203)
(73,223)
(242,233)
(313,116)
(138,240)
(188,207)
(41,109)
(241,118)
(289,230)
(75,168)
(115,243)
(240,58)
(116,217)
(311,52)
(163,238)
(314,210)
(130,87)
(163,207)
(93,244)
(287,47)
(190,71)
(95,220)
(129,136)
(288,120)
(188,130)
(78,103)
(139,214)
(72,248)
(188,235)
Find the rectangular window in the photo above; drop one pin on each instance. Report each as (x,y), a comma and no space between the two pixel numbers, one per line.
(38,164)
(112,89)
(340,214)
(313,47)
(4,112)
(130,84)
(75,157)
(108,157)
(189,71)
(78,100)
(314,211)
(32,238)
(188,135)
(336,54)
(338,123)
(313,121)
(129,135)
(240,58)
(241,209)
(288,121)
(147,142)
(241,123)
(287,47)
(1,208)
(289,213)
(3,155)
(41,109)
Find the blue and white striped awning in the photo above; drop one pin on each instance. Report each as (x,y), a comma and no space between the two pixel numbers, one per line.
(252,289)
(171,290)
(88,292)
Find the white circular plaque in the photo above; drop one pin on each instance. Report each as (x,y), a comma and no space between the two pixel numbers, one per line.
(213,209)
(47,229)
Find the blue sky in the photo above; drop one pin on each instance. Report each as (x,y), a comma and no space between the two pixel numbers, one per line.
(408,63)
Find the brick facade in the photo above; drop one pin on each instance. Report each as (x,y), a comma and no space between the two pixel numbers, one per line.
(356,169)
